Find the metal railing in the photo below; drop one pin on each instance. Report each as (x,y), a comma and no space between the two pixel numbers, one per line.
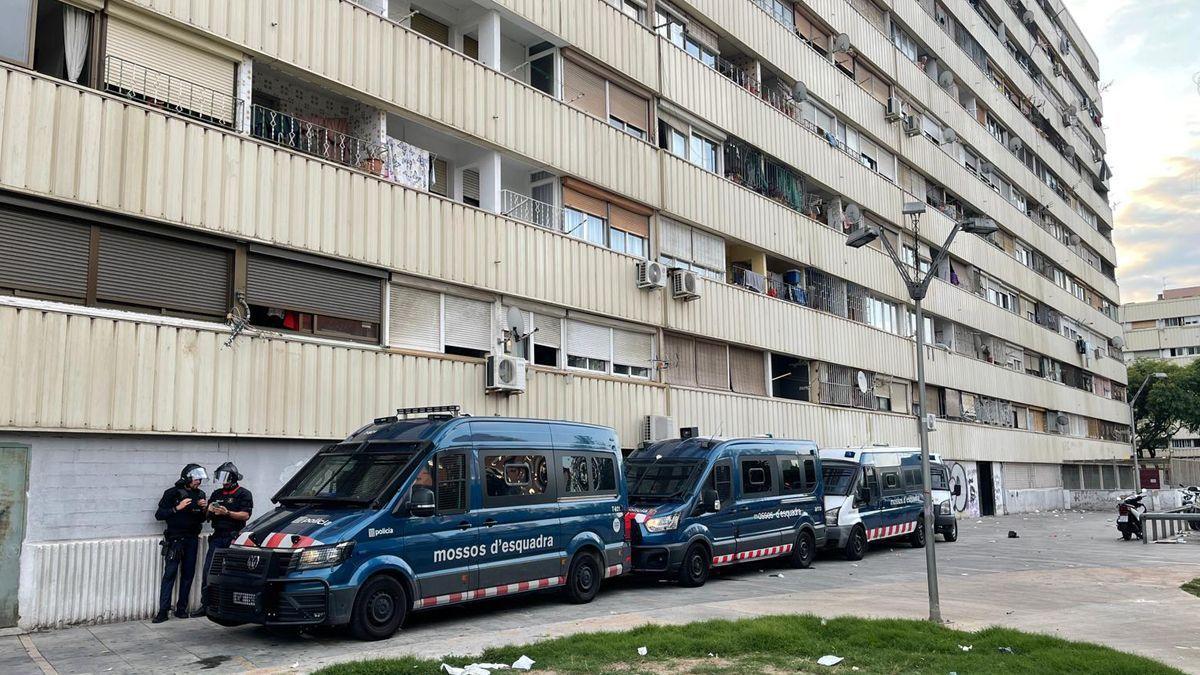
(1169,524)
(146,85)
(313,139)
(523,207)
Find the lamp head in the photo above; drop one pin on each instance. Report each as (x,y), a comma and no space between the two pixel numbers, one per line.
(862,236)
(1159,376)
(913,208)
(980,225)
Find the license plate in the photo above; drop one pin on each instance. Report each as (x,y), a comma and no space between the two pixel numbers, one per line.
(247,599)
(1122,519)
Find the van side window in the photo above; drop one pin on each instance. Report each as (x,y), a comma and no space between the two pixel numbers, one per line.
(721,480)
(791,475)
(587,474)
(810,474)
(756,477)
(515,479)
(891,482)
(912,478)
(451,483)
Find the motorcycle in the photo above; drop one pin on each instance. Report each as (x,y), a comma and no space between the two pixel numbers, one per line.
(1189,498)
(1129,516)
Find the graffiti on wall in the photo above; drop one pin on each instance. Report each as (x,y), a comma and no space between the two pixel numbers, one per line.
(965,476)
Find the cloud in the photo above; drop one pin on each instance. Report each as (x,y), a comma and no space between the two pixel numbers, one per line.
(1158,231)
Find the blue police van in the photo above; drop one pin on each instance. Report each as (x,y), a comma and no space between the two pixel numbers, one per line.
(872,494)
(699,503)
(426,509)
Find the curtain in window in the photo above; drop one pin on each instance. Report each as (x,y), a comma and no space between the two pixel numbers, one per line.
(76,27)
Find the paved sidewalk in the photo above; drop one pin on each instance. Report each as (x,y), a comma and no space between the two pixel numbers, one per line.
(1068,575)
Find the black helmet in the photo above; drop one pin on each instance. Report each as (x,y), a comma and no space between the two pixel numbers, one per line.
(192,472)
(227,473)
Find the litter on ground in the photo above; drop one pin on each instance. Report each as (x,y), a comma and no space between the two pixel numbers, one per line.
(829,660)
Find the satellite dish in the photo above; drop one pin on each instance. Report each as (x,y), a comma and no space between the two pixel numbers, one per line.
(515,320)
(946,79)
(841,43)
(1074,239)
(1015,144)
(1118,341)
(1070,109)
(1069,152)
(862,382)
(1027,17)
(853,213)
(799,92)
(985,167)
(948,135)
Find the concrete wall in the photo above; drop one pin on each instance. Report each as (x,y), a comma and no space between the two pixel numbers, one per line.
(1107,500)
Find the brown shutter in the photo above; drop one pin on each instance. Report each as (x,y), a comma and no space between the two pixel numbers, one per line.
(584,90)
(150,271)
(43,253)
(471,47)
(679,353)
(747,371)
(439,182)
(712,365)
(577,200)
(624,219)
(628,107)
(430,28)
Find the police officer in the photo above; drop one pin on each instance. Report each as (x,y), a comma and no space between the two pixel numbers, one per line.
(182,508)
(229,507)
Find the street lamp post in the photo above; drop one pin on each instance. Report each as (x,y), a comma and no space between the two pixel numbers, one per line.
(917,285)
(1137,465)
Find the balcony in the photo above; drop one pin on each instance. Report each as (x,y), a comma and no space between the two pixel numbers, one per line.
(168,92)
(527,209)
(311,138)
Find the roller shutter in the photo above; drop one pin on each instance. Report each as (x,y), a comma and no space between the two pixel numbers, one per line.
(631,348)
(415,318)
(680,355)
(633,223)
(584,90)
(303,287)
(674,239)
(142,269)
(748,373)
(628,107)
(470,185)
(588,340)
(43,255)
(468,323)
(549,330)
(153,65)
(708,250)
(431,28)
(712,365)
(573,199)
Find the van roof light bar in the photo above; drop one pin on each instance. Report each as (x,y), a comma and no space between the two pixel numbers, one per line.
(425,410)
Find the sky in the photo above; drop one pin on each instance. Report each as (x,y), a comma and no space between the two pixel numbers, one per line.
(1149,53)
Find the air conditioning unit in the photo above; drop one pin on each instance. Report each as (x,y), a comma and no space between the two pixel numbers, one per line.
(895,110)
(911,126)
(505,374)
(685,284)
(651,274)
(657,428)
(1058,69)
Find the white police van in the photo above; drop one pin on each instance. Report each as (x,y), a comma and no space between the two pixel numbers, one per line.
(871,494)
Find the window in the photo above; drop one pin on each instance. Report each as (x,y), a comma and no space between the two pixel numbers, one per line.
(587,474)
(780,10)
(627,127)
(633,10)
(52,37)
(882,314)
(796,475)
(699,51)
(594,347)
(515,479)
(585,363)
(450,486)
(439,322)
(789,377)
(669,26)
(704,153)
(756,477)
(603,220)
(904,42)
(891,481)
(672,140)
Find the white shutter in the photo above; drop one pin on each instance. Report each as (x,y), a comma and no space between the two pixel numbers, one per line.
(549,330)
(415,318)
(589,340)
(708,250)
(632,349)
(468,323)
(674,239)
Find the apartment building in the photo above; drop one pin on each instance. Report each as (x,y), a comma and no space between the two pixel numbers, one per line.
(238,230)
(1167,328)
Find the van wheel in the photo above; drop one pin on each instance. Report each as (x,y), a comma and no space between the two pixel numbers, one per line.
(583,579)
(952,533)
(856,546)
(917,538)
(379,609)
(696,565)
(804,550)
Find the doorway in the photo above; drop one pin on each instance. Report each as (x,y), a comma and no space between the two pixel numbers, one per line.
(14,481)
(987,489)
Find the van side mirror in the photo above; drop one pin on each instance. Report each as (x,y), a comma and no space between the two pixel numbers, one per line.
(709,500)
(956,490)
(422,502)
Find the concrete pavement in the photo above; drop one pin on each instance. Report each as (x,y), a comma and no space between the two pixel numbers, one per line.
(1068,574)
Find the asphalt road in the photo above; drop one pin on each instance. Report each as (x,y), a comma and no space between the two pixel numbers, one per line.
(1067,574)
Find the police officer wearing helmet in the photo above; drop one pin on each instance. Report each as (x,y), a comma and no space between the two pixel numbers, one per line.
(229,507)
(182,508)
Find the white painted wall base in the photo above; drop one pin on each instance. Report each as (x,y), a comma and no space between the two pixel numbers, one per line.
(1107,500)
(1036,499)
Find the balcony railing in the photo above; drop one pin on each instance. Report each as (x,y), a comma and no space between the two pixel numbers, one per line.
(522,207)
(163,90)
(313,139)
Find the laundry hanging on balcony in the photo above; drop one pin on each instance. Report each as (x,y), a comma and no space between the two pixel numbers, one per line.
(407,164)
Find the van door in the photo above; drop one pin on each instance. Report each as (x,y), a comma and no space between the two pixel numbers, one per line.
(797,493)
(895,507)
(759,493)
(722,523)
(520,527)
(588,501)
(443,549)
(871,512)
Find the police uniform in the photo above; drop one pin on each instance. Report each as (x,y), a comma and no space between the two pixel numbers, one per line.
(225,529)
(180,542)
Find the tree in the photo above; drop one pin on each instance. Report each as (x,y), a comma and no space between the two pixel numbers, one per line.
(1163,408)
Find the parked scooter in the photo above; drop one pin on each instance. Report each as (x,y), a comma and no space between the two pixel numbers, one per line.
(1189,498)
(1129,516)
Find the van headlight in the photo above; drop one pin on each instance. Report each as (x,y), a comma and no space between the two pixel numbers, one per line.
(831,516)
(944,508)
(323,556)
(662,523)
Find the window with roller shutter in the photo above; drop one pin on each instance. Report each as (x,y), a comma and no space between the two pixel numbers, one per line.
(747,371)
(712,365)
(679,353)
(44,255)
(588,346)
(547,340)
(467,326)
(633,353)
(415,318)
(305,294)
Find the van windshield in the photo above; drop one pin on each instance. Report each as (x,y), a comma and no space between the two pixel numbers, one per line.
(356,478)
(938,474)
(661,480)
(839,478)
